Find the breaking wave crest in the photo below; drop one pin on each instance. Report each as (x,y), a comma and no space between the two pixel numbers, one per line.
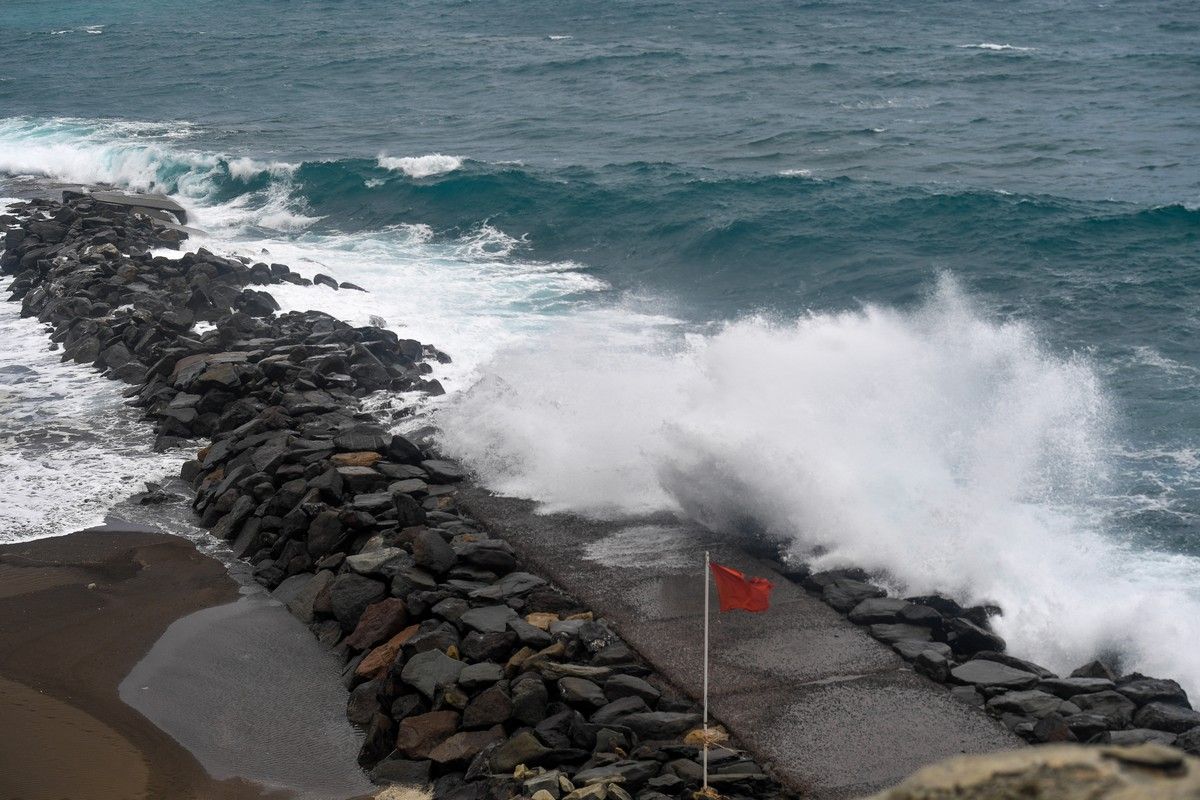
(421,166)
(946,450)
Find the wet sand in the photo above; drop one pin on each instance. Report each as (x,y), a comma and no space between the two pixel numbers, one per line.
(65,648)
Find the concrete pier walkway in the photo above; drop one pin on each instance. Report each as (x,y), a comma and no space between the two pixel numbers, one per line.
(833,712)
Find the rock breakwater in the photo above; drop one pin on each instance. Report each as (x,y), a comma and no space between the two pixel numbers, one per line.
(465,672)
(956,646)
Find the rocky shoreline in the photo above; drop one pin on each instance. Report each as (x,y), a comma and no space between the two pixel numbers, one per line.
(465,672)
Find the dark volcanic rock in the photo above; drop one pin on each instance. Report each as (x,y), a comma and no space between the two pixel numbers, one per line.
(1162,716)
(661,724)
(990,673)
(418,735)
(1116,708)
(845,593)
(1148,690)
(380,621)
(430,671)
(350,595)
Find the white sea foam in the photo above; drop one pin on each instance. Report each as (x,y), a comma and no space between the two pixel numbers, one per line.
(60,475)
(421,166)
(994,46)
(795,173)
(951,452)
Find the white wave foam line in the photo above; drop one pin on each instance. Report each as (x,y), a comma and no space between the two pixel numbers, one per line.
(952,452)
(996,47)
(130,155)
(460,295)
(69,448)
(420,166)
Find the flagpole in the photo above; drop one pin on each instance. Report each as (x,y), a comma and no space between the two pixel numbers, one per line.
(706,581)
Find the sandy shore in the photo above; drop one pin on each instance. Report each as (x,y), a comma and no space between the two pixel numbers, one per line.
(65,648)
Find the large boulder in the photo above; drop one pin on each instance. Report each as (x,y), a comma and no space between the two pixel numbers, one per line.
(431,671)
(379,621)
(421,733)
(991,673)
(1116,708)
(1149,690)
(661,724)
(1057,772)
(1166,717)
(350,595)
(846,593)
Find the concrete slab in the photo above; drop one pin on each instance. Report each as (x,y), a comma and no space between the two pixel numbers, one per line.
(833,712)
(149,200)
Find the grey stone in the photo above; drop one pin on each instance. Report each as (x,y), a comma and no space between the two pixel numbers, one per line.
(511,585)
(1115,707)
(489,619)
(899,632)
(630,774)
(433,553)
(910,649)
(492,706)
(1086,724)
(1030,703)
(475,676)
(1149,690)
(401,772)
(373,562)
(845,593)
(522,748)
(529,698)
(350,594)
(934,664)
(1094,669)
(661,724)
(876,610)
(990,673)
(1162,716)
(301,604)
(581,691)
(430,671)
(612,712)
(530,635)
(1135,736)
(1189,741)
(1069,687)
(443,471)
(619,686)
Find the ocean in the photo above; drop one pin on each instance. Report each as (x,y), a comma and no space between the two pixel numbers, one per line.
(914,286)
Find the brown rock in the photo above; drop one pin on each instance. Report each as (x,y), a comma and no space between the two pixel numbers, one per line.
(1058,772)
(382,657)
(541,619)
(466,745)
(419,735)
(379,622)
(360,459)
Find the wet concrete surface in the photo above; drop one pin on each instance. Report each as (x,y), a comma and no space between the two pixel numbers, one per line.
(834,713)
(248,691)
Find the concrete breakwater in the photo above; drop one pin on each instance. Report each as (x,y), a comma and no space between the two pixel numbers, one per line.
(465,671)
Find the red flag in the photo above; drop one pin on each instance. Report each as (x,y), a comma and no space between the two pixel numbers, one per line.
(735,590)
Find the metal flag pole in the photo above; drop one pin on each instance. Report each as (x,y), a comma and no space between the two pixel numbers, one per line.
(707,570)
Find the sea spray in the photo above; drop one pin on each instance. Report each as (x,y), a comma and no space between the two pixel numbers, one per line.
(945,449)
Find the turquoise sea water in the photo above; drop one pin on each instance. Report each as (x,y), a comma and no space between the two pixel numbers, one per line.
(917,282)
